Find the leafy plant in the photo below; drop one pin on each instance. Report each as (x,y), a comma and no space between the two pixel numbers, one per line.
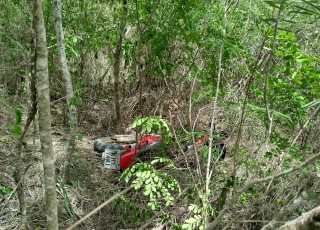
(5,190)
(246,198)
(153,125)
(158,186)
(61,190)
(16,127)
(297,81)
(195,221)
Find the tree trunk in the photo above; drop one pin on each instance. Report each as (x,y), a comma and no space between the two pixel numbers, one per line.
(72,115)
(21,169)
(43,98)
(19,179)
(116,65)
(20,165)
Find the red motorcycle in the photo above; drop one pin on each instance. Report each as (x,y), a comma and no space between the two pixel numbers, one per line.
(117,156)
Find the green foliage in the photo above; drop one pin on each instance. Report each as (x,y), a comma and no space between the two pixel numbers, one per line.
(293,83)
(16,127)
(244,199)
(280,141)
(250,163)
(307,7)
(294,156)
(62,191)
(277,115)
(5,190)
(75,101)
(72,43)
(158,186)
(186,137)
(196,221)
(153,125)
(313,103)
(298,80)
(247,197)
(216,153)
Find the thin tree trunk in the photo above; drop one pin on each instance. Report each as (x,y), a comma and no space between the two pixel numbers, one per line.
(116,65)
(19,179)
(45,117)
(20,166)
(72,115)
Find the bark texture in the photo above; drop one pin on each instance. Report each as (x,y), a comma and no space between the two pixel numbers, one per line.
(43,98)
(19,178)
(72,114)
(308,221)
(21,168)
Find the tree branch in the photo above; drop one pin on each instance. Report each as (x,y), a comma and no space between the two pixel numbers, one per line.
(307,221)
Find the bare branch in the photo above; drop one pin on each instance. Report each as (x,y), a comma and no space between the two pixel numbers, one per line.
(94,211)
(308,220)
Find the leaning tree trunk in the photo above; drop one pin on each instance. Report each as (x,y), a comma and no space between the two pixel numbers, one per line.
(45,117)
(72,115)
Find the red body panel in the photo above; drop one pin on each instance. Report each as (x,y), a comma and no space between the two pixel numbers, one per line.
(128,157)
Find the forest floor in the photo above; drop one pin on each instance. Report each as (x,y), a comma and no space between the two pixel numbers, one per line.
(91,184)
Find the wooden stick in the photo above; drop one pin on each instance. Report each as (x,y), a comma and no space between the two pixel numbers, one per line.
(94,211)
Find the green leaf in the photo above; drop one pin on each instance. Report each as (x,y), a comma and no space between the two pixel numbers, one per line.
(312,104)
(274,4)
(18,113)
(5,190)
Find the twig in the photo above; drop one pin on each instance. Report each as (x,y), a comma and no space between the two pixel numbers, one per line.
(59,99)
(190,102)
(286,172)
(212,124)
(181,149)
(94,211)
(282,156)
(255,221)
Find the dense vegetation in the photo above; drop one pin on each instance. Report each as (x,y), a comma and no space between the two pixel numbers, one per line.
(245,74)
